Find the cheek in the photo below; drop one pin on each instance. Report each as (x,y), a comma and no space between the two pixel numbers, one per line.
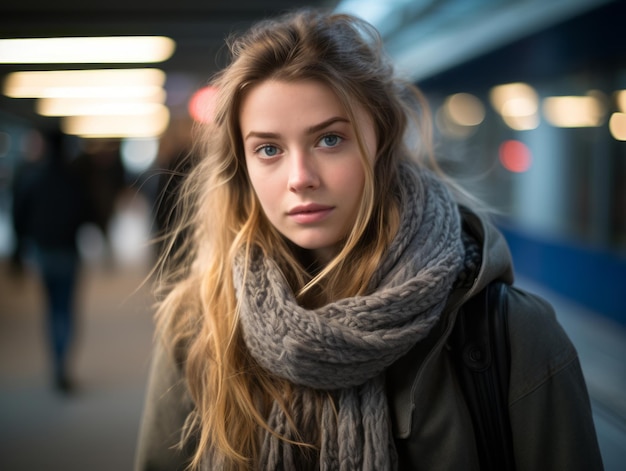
(266,191)
(350,180)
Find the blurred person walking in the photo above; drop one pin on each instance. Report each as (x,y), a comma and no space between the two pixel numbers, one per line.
(50,204)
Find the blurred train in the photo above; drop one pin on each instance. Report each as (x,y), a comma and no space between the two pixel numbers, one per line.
(537,129)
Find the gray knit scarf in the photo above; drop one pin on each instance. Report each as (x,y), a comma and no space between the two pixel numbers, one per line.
(345,347)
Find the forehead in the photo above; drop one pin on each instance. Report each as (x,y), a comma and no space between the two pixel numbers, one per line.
(303,100)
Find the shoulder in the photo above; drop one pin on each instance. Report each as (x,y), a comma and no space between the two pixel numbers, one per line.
(167,406)
(540,348)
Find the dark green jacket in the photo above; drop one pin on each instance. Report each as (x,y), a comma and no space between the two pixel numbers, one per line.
(550,414)
(549,409)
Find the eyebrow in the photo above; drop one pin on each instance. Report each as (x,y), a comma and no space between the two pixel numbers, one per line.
(311,130)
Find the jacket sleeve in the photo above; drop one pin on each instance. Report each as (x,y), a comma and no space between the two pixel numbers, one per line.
(167,405)
(549,405)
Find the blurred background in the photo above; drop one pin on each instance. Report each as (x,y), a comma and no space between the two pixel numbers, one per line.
(529,103)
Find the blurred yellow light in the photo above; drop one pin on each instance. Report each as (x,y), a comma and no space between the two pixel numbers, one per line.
(522,123)
(86,50)
(96,92)
(151,125)
(617,126)
(519,107)
(573,111)
(514,99)
(449,128)
(621,100)
(84,83)
(464,109)
(99,106)
(517,103)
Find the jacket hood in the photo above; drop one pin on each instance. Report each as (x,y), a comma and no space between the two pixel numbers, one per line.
(496,261)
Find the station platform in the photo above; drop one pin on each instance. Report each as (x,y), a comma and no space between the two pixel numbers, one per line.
(96,427)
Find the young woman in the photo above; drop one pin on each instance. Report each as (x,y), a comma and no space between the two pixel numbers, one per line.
(304,324)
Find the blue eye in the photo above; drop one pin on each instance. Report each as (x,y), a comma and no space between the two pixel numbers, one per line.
(268,150)
(330,140)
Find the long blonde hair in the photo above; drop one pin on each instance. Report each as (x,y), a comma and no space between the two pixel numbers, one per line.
(221,217)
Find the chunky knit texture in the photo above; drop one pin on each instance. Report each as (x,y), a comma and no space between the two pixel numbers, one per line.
(345,347)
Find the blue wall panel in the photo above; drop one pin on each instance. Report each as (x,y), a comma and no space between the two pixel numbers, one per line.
(593,278)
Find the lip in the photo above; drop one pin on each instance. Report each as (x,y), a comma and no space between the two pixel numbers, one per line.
(310,213)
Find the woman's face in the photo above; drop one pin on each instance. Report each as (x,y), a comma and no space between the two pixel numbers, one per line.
(304,161)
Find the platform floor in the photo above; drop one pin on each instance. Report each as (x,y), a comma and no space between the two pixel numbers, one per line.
(95,429)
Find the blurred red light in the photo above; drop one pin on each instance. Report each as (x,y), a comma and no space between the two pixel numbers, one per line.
(515,156)
(202,104)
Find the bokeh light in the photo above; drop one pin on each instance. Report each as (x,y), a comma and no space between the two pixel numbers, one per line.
(515,156)
(202,104)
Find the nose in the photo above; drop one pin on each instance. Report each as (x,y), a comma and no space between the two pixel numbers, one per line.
(302,173)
